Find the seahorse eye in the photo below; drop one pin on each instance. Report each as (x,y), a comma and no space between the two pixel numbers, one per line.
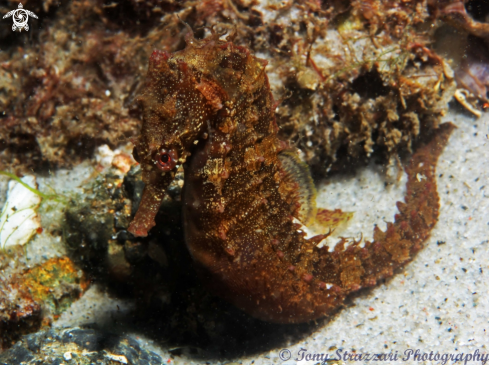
(166,160)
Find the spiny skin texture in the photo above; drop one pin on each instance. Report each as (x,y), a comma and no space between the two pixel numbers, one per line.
(211,105)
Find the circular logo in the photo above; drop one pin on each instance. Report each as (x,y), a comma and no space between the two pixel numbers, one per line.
(20,17)
(284,354)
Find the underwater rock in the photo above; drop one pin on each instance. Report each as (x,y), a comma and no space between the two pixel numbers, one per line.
(78,346)
(455,14)
(32,298)
(90,227)
(58,106)
(84,97)
(210,108)
(96,235)
(381,86)
(472,73)
(19,313)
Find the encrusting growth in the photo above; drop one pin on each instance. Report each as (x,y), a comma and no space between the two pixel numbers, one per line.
(210,108)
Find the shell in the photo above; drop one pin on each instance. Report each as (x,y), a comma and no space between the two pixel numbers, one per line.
(19,220)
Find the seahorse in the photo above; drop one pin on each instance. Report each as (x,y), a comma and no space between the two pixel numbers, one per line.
(208,108)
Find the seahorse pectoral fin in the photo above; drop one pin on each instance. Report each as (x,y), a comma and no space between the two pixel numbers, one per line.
(298,176)
(314,220)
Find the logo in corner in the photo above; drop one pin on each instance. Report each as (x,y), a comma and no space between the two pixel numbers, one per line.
(20,17)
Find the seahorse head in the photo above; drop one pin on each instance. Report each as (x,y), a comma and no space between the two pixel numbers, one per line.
(183,92)
(179,99)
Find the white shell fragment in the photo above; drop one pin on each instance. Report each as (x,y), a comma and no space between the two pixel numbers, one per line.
(119,358)
(121,158)
(104,155)
(19,219)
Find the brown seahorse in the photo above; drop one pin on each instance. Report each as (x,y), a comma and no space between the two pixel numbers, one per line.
(209,107)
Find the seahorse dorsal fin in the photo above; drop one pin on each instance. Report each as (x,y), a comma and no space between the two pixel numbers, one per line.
(313,218)
(299,172)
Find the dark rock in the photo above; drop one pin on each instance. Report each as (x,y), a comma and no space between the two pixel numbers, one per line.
(84,346)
